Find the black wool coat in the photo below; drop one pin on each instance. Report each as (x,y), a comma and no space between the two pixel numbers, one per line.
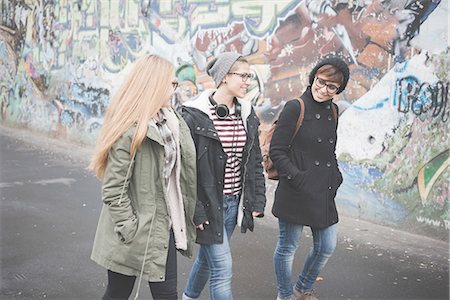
(308,169)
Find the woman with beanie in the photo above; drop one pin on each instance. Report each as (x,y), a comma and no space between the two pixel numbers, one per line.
(309,178)
(145,157)
(230,180)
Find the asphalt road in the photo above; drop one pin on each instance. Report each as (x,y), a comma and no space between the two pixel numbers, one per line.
(50,206)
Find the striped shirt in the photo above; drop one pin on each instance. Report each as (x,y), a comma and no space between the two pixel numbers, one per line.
(232,135)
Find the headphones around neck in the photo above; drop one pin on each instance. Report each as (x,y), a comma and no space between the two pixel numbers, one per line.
(222,110)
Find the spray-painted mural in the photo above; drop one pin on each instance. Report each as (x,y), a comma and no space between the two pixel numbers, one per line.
(60,61)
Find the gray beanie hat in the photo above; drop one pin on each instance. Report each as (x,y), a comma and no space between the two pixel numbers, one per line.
(221,65)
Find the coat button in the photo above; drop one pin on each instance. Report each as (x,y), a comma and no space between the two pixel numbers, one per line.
(206,147)
(198,128)
(317,116)
(328,164)
(203,129)
(218,208)
(317,163)
(328,106)
(330,187)
(330,118)
(289,177)
(219,234)
(161,277)
(331,140)
(319,140)
(220,156)
(165,246)
(219,182)
(214,134)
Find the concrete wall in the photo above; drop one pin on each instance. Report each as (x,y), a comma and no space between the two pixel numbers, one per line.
(60,61)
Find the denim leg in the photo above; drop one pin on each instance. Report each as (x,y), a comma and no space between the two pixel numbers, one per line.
(230,212)
(324,244)
(214,261)
(288,242)
(220,264)
(198,277)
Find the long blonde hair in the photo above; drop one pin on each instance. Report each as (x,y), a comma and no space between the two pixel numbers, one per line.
(139,99)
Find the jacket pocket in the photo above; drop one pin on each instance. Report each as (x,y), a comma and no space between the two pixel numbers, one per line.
(126,230)
(298,182)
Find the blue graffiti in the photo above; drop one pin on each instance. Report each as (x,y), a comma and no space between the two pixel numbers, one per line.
(377,105)
(359,200)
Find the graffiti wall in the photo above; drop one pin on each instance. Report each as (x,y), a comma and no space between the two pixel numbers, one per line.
(60,62)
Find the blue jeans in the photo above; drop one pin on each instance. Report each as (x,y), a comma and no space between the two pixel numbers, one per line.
(288,242)
(214,262)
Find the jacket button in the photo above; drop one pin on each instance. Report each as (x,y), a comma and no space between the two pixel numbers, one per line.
(317,163)
(165,246)
(319,140)
(218,208)
(331,141)
(214,134)
(317,116)
(220,156)
(219,182)
(330,187)
(328,164)
(206,147)
(219,234)
(330,117)
(161,277)
(198,128)
(289,177)
(203,129)
(328,106)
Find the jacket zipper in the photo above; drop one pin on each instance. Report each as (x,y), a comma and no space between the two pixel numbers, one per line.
(245,166)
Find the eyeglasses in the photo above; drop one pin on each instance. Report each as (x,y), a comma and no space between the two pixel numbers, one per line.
(331,88)
(244,76)
(174,85)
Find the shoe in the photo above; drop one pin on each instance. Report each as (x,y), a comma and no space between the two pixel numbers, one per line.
(303,296)
(278,298)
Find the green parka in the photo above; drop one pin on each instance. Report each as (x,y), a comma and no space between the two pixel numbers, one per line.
(126,224)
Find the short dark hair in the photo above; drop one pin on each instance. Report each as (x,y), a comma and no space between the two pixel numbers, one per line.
(331,72)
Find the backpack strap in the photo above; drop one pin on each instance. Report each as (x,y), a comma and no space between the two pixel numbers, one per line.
(300,118)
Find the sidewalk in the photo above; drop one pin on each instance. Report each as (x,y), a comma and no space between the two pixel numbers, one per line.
(354,230)
(49,211)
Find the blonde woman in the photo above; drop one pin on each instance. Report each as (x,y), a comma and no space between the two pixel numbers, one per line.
(146,159)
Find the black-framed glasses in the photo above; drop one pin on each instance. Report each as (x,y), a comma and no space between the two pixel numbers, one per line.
(174,85)
(244,76)
(331,88)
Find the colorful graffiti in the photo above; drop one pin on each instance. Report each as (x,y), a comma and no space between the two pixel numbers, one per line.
(60,61)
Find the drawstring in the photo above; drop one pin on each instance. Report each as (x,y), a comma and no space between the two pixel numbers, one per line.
(149,232)
(143,261)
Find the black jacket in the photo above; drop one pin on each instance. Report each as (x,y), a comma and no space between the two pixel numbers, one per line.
(309,173)
(211,160)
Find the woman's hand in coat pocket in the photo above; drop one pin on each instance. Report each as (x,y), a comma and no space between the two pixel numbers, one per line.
(126,229)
